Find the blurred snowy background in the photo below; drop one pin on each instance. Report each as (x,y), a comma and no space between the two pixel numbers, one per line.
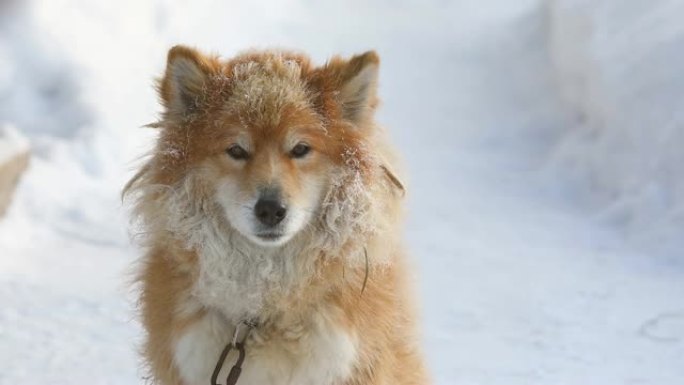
(544,142)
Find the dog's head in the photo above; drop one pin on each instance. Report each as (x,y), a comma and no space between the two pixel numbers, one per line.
(265,136)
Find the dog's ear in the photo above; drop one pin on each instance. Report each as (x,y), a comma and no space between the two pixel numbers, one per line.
(187,72)
(358,90)
(357,81)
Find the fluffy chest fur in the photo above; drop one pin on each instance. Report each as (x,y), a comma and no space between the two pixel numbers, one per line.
(242,282)
(315,351)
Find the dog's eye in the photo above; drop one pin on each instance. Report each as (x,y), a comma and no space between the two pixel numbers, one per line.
(300,150)
(237,152)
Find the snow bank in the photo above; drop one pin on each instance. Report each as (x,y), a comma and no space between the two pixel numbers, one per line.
(35,77)
(12,142)
(14,158)
(618,66)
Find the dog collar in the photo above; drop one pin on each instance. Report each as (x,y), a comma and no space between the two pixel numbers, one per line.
(242,331)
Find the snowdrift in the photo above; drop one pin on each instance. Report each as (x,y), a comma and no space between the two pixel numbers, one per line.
(619,68)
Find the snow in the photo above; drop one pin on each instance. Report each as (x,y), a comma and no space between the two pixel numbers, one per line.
(542,141)
(12,142)
(622,80)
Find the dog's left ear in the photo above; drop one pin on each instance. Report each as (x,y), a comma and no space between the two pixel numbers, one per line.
(358,80)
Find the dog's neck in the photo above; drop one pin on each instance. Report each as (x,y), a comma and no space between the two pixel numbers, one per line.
(246,281)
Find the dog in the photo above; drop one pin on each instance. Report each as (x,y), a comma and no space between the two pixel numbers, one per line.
(269,212)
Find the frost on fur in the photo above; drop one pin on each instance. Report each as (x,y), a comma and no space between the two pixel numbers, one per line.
(353,209)
(178,199)
(352,213)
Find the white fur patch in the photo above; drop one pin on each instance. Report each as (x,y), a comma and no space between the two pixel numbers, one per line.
(239,279)
(320,353)
(198,349)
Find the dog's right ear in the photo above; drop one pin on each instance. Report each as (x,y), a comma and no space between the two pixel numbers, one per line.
(187,72)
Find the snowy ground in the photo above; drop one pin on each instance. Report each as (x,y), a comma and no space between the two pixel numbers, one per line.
(530,273)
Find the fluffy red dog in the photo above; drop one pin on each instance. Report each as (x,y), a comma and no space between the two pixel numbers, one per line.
(270,212)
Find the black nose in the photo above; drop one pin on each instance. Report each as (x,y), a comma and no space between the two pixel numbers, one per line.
(269,211)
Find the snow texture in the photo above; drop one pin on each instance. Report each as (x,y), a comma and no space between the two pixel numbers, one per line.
(618,69)
(12,142)
(542,141)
